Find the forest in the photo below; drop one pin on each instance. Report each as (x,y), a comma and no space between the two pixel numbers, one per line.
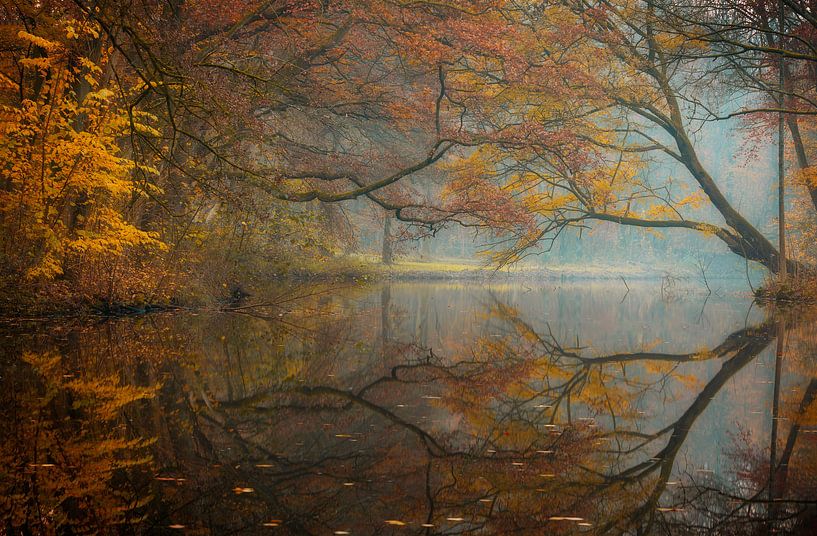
(391,267)
(177,152)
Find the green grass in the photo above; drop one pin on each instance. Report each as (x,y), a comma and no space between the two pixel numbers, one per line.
(365,266)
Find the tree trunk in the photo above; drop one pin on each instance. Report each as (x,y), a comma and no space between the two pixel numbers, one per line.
(781,146)
(746,240)
(387,256)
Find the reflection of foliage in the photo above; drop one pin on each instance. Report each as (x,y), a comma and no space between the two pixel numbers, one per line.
(488,440)
(63,446)
(266,418)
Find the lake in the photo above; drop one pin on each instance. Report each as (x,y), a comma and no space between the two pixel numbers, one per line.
(417,408)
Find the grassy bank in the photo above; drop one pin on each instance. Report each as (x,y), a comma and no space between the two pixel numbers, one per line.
(366,267)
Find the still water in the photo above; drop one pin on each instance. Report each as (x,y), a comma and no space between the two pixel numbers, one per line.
(417,408)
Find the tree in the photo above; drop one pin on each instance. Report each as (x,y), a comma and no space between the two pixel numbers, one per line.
(65,177)
(631,88)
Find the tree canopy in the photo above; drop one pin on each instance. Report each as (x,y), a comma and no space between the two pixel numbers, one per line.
(134,129)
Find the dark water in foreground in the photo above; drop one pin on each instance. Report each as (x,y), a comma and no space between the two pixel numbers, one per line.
(417,409)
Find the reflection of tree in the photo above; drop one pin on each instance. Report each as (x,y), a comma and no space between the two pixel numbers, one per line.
(772,491)
(62,447)
(336,426)
(500,442)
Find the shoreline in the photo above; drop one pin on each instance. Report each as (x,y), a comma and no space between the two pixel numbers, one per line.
(371,274)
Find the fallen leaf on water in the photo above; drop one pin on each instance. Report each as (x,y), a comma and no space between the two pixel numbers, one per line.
(427,525)
(342,532)
(263,465)
(395,522)
(455,518)
(239,491)
(175,526)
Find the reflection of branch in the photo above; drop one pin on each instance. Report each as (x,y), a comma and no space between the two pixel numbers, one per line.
(731,344)
(433,446)
(743,345)
(665,458)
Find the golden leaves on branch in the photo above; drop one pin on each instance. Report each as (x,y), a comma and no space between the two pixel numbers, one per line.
(68,180)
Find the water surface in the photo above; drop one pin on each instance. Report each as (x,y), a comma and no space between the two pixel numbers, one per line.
(413,408)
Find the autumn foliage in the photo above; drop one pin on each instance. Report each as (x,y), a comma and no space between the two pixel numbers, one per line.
(150,149)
